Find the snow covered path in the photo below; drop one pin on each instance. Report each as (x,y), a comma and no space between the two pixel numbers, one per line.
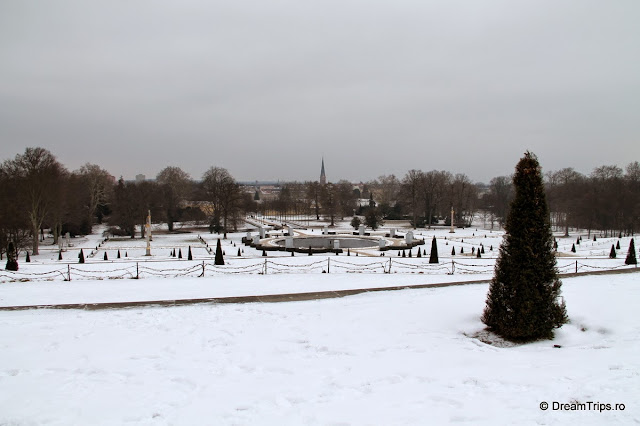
(113,291)
(384,358)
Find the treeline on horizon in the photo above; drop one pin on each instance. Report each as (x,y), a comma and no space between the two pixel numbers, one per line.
(38,193)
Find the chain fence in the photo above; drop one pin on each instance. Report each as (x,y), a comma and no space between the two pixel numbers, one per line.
(330,264)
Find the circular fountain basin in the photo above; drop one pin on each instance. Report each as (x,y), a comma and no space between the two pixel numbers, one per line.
(326,242)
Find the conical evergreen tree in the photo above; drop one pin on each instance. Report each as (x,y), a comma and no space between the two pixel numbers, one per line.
(404,254)
(81,257)
(189,255)
(618,245)
(409,253)
(179,253)
(219,260)
(264,253)
(453,251)
(433,257)
(239,254)
(118,254)
(612,253)
(59,254)
(631,255)
(12,260)
(522,304)
(28,259)
(419,253)
(105,256)
(478,255)
(461,250)
(573,248)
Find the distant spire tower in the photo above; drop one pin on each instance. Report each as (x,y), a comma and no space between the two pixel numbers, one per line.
(323,177)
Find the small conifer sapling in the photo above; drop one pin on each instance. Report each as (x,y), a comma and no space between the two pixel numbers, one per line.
(631,255)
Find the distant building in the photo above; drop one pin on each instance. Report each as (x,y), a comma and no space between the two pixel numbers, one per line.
(323,177)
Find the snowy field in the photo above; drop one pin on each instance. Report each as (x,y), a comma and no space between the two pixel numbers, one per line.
(385,358)
(125,257)
(388,358)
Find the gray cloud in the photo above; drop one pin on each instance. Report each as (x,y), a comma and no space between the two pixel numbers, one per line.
(266,88)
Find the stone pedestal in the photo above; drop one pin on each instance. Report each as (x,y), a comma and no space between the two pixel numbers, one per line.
(361,230)
(256,239)
(381,243)
(392,232)
(325,230)
(248,235)
(262,232)
(336,244)
(288,243)
(409,238)
(290,231)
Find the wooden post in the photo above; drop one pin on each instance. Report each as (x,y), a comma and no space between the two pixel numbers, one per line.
(69,272)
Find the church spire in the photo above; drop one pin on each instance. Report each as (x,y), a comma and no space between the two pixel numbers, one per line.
(323,177)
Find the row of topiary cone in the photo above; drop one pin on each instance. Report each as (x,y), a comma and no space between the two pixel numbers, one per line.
(12,261)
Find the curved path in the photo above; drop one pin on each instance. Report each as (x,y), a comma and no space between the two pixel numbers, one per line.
(276,298)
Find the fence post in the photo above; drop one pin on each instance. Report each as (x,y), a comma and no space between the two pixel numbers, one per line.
(453,267)
(576,266)
(203,269)
(389,266)
(137,272)
(265,266)
(69,272)
(328,265)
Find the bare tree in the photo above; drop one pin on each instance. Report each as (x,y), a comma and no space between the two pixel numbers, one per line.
(386,189)
(223,193)
(329,201)
(433,191)
(563,193)
(499,198)
(99,184)
(463,195)
(411,191)
(314,190)
(175,184)
(38,175)
(346,198)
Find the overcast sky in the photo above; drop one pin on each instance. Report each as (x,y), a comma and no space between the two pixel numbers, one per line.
(266,88)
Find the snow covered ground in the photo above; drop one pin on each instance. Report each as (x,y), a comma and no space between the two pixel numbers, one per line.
(386,358)
(126,257)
